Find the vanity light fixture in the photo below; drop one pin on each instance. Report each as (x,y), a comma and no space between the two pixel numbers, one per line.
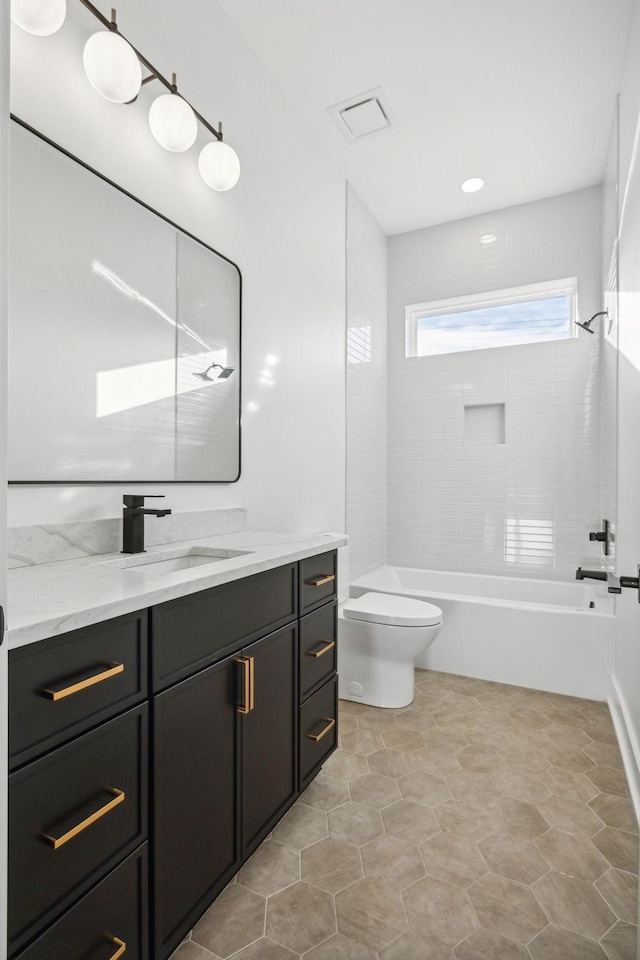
(173,122)
(114,69)
(42,18)
(472,185)
(225,373)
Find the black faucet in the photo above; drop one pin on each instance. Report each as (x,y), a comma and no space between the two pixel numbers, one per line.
(133,520)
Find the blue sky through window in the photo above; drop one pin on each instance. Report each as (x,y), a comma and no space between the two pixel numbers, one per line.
(495,326)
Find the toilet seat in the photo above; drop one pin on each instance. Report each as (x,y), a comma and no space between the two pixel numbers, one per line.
(393,610)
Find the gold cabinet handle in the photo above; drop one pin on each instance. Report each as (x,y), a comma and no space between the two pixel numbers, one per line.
(113,670)
(57,842)
(320,581)
(121,945)
(318,736)
(248,684)
(329,645)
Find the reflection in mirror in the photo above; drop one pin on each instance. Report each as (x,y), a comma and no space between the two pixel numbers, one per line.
(115,314)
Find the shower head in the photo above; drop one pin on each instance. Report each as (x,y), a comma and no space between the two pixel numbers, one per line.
(225,373)
(587,326)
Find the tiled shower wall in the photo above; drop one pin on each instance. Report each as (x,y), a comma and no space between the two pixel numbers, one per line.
(367,268)
(524,506)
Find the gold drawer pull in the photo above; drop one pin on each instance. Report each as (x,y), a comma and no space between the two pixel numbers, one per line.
(320,581)
(121,945)
(318,736)
(248,684)
(329,645)
(114,670)
(57,842)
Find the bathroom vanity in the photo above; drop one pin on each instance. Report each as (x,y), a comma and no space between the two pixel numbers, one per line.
(157,736)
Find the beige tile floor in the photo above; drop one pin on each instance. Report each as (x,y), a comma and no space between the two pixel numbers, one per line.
(483,822)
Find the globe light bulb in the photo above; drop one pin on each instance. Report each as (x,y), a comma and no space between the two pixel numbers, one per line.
(173,123)
(112,67)
(39,17)
(219,165)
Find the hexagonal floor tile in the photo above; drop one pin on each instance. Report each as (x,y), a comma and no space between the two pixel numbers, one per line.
(410,821)
(361,741)
(192,951)
(570,816)
(370,914)
(476,788)
(575,856)
(507,908)
(454,859)
(390,763)
(422,788)
(439,910)
(517,817)
(300,917)
(556,943)
(436,761)
(355,823)
(573,904)
(609,780)
(340,947)
(345,765)
(265,949)
(404,739)
(619,848)
(567,783)
(512,856)
(620,891)
(620,942)
(392,862)
(326,792)
(301,827)
(374,790)
(415,946)
(331,865)
(272,867)
(486,945)
(615,812)
(456,816)
(232,922)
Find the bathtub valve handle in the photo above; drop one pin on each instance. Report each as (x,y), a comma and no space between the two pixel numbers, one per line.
(633,582)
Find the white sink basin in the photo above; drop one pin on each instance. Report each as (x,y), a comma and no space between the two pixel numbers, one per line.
(172,561)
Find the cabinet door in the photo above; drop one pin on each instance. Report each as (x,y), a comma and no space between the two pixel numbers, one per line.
(269,734)
(195,753)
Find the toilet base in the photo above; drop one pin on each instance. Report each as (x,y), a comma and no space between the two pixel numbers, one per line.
(383,683)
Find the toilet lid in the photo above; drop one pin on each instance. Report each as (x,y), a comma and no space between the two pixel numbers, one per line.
(392,609)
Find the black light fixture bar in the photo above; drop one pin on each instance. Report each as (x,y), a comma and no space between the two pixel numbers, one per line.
(155,73)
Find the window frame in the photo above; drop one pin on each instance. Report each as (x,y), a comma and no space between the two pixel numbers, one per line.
(413,312)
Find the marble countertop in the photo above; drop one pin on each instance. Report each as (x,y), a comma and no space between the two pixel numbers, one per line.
(52,598)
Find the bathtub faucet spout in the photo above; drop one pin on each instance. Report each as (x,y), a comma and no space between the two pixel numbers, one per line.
(590,574)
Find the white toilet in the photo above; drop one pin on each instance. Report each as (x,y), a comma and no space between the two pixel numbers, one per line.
(380,636)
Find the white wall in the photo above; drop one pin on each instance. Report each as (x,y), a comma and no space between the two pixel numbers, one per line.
(367,267)
(626,676)
(4,176)
(283,224)
(524,507)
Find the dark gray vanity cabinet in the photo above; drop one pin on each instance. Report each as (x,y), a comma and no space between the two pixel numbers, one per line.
(224,739)
(189,729)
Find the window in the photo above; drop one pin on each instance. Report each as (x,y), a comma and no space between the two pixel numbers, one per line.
(500,318)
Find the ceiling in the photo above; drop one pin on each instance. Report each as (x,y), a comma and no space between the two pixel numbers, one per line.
(519,93)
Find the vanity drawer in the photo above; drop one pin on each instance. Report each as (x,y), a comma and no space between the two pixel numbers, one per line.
(318,580)
(112,915)
(318,730)
(318,632)
(62,686)
(190,633)
(72,815)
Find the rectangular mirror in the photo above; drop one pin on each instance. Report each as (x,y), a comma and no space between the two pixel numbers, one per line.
(124,334)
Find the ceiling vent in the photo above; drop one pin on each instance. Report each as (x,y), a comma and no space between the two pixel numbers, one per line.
(361,116)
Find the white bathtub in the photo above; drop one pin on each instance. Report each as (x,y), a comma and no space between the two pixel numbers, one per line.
(534,633)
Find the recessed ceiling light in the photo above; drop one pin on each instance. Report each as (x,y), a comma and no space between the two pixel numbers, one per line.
(472,185)
(488,238)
